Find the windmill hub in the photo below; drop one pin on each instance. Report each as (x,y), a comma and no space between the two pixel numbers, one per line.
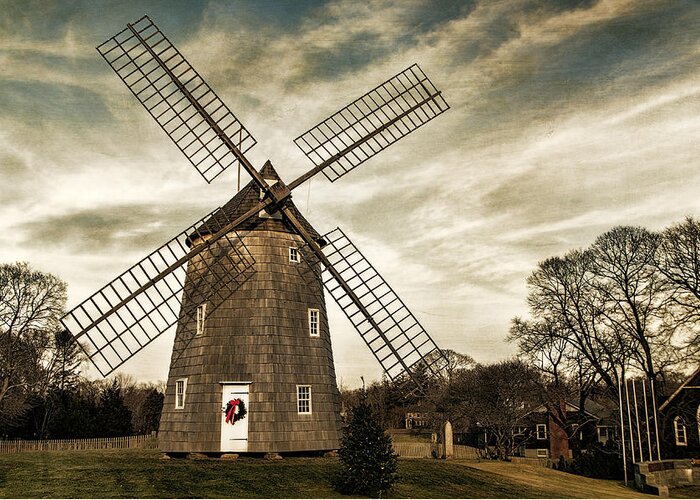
(279,192)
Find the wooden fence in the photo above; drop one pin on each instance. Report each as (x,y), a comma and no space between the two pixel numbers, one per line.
(18,445)
(150,442)
(425,450)
(541,462)
(461,451)
(414,450)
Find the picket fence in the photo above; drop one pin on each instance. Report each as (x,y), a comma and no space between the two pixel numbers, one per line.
(540,462)
(425,450)
(18,445)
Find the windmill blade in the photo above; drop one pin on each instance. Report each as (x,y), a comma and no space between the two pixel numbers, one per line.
(132,310)
(182,103)
(392,332)
(370,124)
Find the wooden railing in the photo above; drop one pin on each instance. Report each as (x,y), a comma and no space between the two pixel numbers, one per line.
(18,445)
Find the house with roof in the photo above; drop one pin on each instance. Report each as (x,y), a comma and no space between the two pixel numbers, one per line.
(546,435)
(679,419)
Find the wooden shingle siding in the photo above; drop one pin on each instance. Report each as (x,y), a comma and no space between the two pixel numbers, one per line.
(259,334)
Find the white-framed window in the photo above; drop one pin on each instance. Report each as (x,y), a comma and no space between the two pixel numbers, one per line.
(541,431)
(303,399)
(180,391)
(293,254)
(313,323)
(201,317)
(542,453)
(603,434)
(679,429)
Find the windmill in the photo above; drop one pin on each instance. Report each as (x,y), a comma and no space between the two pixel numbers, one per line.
(252,366)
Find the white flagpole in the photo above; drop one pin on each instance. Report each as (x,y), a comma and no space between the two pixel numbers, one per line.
(646,416)
(656,420)
(622,425)
(636,416)
(629,419)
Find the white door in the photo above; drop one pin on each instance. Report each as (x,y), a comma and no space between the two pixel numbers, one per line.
(234,432)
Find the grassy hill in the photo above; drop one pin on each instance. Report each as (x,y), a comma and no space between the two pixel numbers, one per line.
(139,473)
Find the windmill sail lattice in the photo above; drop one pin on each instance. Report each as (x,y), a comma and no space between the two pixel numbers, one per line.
(266,338)
(136,307)
(172,91)
(397,339)
(371,123)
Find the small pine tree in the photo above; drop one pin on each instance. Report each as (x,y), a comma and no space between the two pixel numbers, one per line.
(368,460)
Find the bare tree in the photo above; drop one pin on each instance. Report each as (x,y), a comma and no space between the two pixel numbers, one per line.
(562,290)
(541,345)
(635,296)
(678,260)
(31,304)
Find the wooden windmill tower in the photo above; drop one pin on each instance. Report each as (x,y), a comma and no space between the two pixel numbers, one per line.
(252,366)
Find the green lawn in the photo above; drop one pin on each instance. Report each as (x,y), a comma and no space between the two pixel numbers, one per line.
(140,473)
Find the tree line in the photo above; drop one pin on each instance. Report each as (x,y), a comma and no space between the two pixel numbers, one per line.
(628,305)
(43,394)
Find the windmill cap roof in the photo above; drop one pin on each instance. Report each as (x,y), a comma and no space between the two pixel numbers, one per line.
(242,202)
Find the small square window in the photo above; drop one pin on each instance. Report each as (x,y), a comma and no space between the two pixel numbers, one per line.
(313,323)
(541,431)
(180,388)
(542,453)
(293,254)
(201,317)
(304,399)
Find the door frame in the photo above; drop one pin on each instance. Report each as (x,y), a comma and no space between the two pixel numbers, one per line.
(242,388)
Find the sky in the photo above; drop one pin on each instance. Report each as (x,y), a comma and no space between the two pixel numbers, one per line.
(568,117)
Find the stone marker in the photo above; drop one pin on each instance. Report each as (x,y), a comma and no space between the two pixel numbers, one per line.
(449,444)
